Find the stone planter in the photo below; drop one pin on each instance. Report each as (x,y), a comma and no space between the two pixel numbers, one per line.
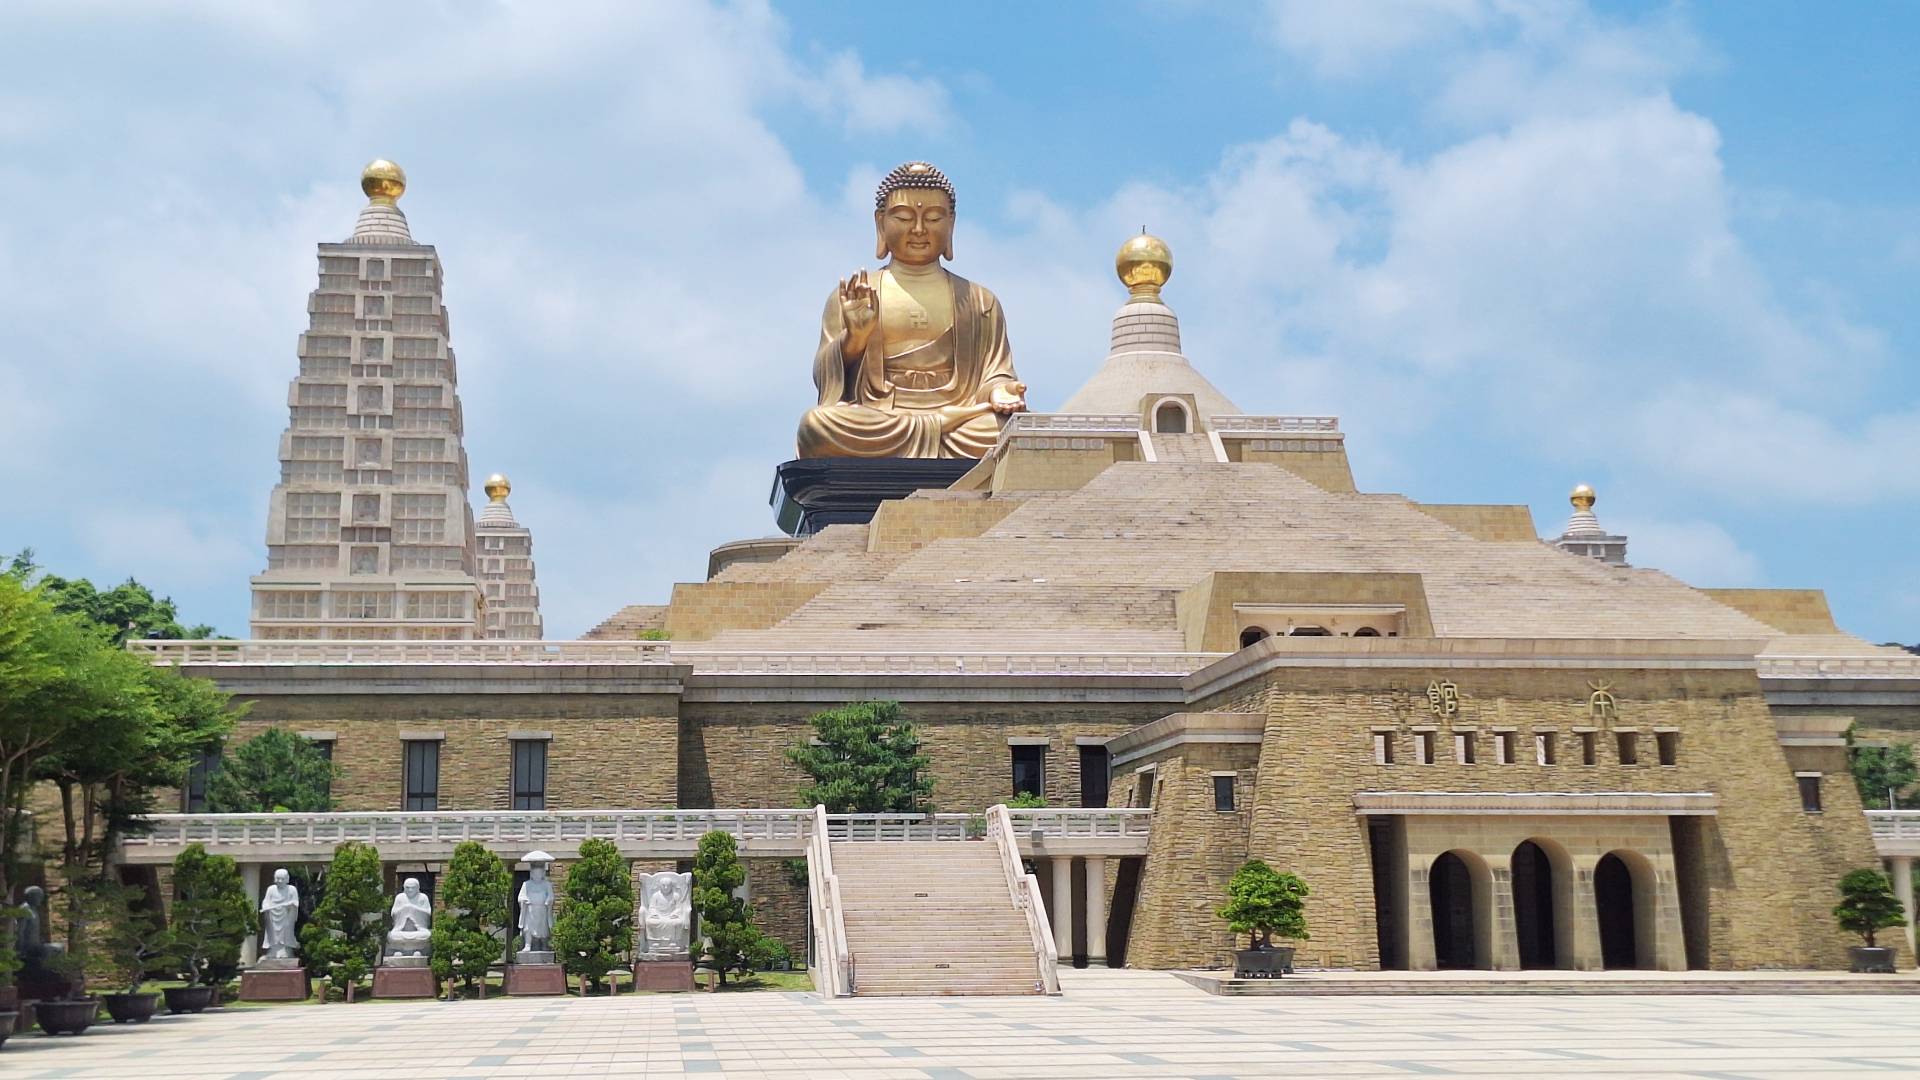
(131,1008)
(1262,963)
(189,999)
(1876,960)
(70,1017)
(7,1017)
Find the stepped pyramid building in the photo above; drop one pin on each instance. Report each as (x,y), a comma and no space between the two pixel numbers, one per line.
(369,534)
(503,552)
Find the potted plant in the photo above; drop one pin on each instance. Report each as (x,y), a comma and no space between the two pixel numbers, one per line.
(211,917)
(976,826)
(1262,902)
(1867,906)
(136,941)
(73,1014)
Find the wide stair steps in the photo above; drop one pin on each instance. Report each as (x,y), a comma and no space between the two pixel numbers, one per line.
(932,917)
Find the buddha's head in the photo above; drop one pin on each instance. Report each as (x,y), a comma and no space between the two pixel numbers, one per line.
(280,876)
(913,215)
(411,886)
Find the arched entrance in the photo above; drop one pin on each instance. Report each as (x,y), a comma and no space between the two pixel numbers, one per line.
(1459,885)
(1534,915)
(1252,635)
(1170,419)
(1622,898)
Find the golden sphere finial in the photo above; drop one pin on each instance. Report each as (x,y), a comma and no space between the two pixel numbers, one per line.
(1583,497)
(383,181)
(497,487)
(1144,264)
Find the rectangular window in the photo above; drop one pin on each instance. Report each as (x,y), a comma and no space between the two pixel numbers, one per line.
(322,394)
(1093,775)
(363,605)
(1503,747)
(1544,747)
(329,345)
(302,556)
(436,605)
(376,269)
(1143,790)
(1668,743)
(1029,770)
(413,305)
(1223,792)
(529,774)
(1383,748)
(1589,748)
(323,417)
(419,449)
(1628,743)
(1423,747)
(373,307)
(193,797)
(1809,791)
(325,746)
(1463,750)
(289,605)
(416,348)
(423,774)
(417,396)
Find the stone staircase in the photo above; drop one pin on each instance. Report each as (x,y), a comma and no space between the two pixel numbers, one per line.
(932,917)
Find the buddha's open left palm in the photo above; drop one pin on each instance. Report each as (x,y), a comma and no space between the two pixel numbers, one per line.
(1008,397)
(859,311)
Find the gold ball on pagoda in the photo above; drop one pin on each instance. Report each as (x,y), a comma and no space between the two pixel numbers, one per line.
(383,181)
(497,487)
(1144,264)
(1583,497)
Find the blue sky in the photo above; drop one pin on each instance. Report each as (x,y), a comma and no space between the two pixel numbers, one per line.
(1668,249)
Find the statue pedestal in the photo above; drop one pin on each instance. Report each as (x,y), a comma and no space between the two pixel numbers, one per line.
(810,494)
(405,977)
(663,976)
(275,980)
(532,980)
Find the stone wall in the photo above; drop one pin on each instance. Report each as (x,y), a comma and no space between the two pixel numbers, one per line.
(906,524)
(702,609)
(1485,521)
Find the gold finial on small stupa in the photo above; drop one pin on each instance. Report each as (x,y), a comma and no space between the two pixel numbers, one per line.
(1144,264)
(497,487)
(383,181)
(1583,497)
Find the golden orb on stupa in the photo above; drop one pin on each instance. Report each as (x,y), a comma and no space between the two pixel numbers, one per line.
(497,487)
(383,181)
(1144,264)
(1583,497)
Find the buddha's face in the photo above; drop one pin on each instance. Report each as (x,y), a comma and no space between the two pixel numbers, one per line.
(279,877)
(411,887)
(916,227)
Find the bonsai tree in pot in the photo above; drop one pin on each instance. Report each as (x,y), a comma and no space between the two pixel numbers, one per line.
(725,920)
(595,929)
(1867,906)
(468,934)
(1260,903)
(343,939)
(136,940)
(211,917)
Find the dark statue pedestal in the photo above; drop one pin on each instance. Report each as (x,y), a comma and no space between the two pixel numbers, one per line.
(810,494)
(533,980)
(663,976)
(390,981)
(275,984)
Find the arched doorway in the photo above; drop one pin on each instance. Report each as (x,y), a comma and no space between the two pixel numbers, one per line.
(1252,635)
(1534,917)
(1613,901)
(1170,419)
(1462,928)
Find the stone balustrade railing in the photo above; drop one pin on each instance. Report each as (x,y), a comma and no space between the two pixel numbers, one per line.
(1268,425)
(1076,423)
(941,663)
(403,652)
(1895,832)
(1844,667)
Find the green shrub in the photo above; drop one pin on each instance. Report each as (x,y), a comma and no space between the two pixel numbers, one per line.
(211,917)
(594,931)
(275,772)
(865,759)
(726,921)
(1263,902)
(1868,905)
(1027,800)
(469,933)
(342,941)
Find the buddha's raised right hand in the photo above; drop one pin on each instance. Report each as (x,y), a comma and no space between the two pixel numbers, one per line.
(859,313)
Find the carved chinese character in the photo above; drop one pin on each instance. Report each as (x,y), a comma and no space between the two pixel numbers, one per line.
(1443,697)
(1601,704)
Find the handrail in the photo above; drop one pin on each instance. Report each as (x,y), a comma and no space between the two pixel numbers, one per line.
(277,652)
(834,972)
(1024,890)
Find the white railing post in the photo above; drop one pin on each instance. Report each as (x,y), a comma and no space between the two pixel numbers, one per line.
(833,976)
(1024,891)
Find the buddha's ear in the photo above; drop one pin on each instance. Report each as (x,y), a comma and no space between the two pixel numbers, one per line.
(948,252)
(879,237)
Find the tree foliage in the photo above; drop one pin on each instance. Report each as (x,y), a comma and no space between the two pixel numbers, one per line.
(469,934)
(128,610)
(594,930)
(1882,770)
(137,937)
(1263,902)
(212,915)
(726,921)
(275,772)
(1868,905)
(865,759)
(342,940)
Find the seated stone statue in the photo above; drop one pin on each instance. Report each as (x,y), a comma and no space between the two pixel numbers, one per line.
(913,361)
(412,911)
(666,913)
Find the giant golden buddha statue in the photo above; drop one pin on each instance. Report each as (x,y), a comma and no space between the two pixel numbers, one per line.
(913,360)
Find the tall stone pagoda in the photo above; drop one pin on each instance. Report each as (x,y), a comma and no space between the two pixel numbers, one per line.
(369,534)
(504,557)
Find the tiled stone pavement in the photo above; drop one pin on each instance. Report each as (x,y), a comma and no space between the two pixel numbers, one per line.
(1114,1024)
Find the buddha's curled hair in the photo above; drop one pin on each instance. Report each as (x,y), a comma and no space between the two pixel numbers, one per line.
(914,174)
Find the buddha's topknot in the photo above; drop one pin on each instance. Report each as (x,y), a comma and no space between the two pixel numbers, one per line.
(914,174)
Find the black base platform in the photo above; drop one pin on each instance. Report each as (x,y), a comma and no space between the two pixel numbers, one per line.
(810,494)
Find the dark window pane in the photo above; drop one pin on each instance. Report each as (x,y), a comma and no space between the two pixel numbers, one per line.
(1223,793)
(1029,770)
(1809,793)
(1093,776)
(423,775)
(530,774)
(194,798)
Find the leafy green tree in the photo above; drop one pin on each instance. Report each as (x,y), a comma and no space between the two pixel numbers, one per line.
(34,642)
(137,937)
(726,921)
(470,931)
(211,917)
(595,928)
(866,760)
(1868,905)
(128,610)
(1262,902)
(1880,771)
(343,938)
(275,772)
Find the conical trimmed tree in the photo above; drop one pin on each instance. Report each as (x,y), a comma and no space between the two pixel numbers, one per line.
(469,934)
(594,931)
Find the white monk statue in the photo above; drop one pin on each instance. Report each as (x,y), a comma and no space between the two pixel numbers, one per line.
(536,905)
(666,913)
(412,912)
(278,910)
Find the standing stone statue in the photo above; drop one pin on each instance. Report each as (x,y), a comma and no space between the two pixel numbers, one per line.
(40,968)
(412,932)
(536,909)
(666,914)
(278,910)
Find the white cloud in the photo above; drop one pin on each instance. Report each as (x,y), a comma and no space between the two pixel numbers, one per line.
(1699,553)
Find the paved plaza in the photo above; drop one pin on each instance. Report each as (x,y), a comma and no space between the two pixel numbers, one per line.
(1113,1024)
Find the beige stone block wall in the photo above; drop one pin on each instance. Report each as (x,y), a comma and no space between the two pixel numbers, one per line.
(699,610)
(1791,611)
(1056,470)
(1484,521)
(1325,469)
(1206,616)
(1193,853)
(906,524)
(779,903)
